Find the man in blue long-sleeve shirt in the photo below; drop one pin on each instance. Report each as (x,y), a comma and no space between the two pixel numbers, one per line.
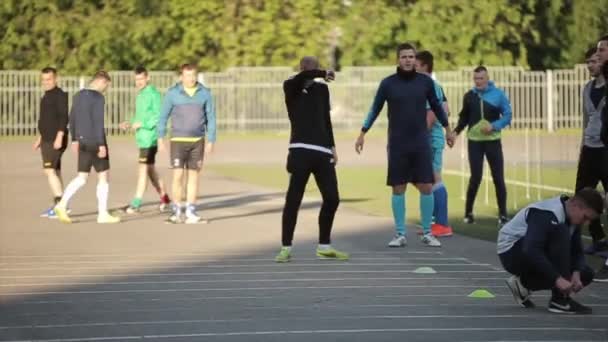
(409,152)
(541,246)
(89,141)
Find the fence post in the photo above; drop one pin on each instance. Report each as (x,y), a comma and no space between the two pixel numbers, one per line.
(81,82)
(550,102)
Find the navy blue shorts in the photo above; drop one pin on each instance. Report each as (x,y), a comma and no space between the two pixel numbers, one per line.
(410,166)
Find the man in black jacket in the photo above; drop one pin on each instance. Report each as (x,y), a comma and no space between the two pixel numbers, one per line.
(311,150)
(89,141)
(541,246)
(53,138)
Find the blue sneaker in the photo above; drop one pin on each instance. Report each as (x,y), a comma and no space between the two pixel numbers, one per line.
(49,213)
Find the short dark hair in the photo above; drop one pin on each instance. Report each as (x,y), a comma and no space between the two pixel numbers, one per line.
(102,74)
(405,46)
(604,38)
(480,69)
(591,199)
(187,66)
(49,70)
(426,57)
(605,69)
(140,69)
(590,52)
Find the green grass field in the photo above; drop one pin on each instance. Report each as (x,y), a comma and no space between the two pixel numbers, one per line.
(363,188)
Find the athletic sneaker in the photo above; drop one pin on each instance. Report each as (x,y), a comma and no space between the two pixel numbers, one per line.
(430,240)
(132,210)
(49,213)
(192,217)
(602,275)
(398,241)
(520,293)
(62,215)
(440,230)
(596,247)
(469,219)
(567,305)
(331,253)
(164,203)
(176,214)
(502,220)
(284,255)
(107,218)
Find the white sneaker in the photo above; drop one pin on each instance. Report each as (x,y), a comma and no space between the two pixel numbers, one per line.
(430,240)
(107,218)
(398,241)
(192,217)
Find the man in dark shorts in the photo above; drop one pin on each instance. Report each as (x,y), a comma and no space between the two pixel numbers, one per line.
(89,141)
(189,104)
(53,138)
(147,111)
(409,148)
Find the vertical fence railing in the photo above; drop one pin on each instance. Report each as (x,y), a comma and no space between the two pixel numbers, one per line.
(252,98)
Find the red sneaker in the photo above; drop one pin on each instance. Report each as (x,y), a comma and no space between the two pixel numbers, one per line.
(441,231)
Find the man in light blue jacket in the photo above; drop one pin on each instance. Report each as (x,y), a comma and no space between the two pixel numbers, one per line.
(189,104)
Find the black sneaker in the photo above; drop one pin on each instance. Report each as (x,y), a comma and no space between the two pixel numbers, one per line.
(469,219)
(502,220)
(520,293)
(568,305)
(602,275)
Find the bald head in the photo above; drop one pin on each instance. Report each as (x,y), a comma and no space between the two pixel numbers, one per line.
(309,63)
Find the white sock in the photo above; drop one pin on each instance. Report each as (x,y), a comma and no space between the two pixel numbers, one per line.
(606,262)
(324,247)
(71,189)
(288,248)
(102,198)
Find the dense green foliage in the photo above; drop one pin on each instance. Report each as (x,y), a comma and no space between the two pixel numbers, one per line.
(82,35)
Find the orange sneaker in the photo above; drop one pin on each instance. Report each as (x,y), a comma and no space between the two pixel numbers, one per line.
(441,230)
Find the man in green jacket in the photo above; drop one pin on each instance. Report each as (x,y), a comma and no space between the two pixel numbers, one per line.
(147,110)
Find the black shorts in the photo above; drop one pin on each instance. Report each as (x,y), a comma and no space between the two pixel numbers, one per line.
(187,155)
(88,158)
(410,166)
(148,155)
(51,158)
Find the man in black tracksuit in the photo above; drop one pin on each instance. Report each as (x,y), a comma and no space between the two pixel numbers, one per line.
(311,150)
(53,138)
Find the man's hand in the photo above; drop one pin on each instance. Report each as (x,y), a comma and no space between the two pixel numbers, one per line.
(209,147)
(136,126)
(487,129)
(58,143)
(577,284)
(330,75)
(563,285)
(75,146)
(430,119)
(36,144)
(335,153)
(125,125)
(360,142)
(103,152)
(450,137)
(161,145)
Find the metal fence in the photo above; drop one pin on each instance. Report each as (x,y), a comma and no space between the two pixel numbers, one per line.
(252,98)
